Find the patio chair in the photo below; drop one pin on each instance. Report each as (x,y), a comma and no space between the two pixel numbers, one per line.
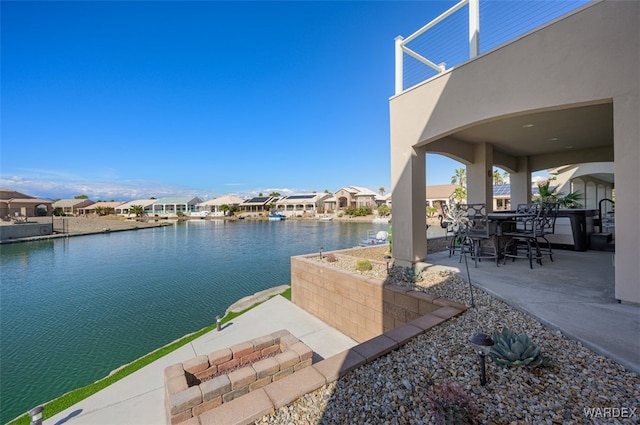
(528,229)
(548,217)
(477,237)
(453,231)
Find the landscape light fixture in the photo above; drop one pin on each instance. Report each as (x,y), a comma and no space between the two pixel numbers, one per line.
(388,259)
(218,323)
(483,343)
(36,415)
(321,252)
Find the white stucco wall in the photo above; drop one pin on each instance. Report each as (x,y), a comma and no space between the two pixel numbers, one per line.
(589,57)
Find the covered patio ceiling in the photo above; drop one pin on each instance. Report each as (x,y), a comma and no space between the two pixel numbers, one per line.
(549,138)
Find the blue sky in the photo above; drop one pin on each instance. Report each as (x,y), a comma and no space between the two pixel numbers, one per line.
(127,100)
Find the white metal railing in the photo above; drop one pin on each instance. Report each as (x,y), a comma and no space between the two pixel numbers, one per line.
(402,48)
(502,22)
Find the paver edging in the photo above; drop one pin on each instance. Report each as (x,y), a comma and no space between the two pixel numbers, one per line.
(310,378)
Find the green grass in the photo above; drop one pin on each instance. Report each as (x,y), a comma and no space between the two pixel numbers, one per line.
(69,399)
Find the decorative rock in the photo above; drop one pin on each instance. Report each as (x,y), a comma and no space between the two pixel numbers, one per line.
(393,388)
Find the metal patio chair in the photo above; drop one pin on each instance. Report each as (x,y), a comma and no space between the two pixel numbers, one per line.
(477,237)
(527,229)
(548,225)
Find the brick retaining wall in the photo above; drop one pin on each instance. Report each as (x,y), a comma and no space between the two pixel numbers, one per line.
(361,307)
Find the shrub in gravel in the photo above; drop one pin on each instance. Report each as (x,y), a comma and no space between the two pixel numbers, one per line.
(450,404)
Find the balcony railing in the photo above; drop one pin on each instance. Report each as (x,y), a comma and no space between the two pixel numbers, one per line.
(454,37)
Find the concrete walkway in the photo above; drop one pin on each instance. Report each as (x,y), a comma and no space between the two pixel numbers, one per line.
(139,398)
(574,294)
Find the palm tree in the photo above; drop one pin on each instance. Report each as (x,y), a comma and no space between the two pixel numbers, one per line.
(497,177)
(138,210)
(551,194)
(274,194)
(381,190)
(460,194)
(224,208)
(460,177)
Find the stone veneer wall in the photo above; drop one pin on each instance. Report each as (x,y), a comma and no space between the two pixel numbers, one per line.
(361,307)
(187,397)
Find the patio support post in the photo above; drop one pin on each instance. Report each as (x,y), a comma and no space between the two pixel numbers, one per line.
(480,176)
(520,183)
(408,172)
(626,109)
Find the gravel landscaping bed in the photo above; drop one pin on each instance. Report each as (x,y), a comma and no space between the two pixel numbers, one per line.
(582,387)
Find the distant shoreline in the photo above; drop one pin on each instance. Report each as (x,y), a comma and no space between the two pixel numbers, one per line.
(80,226)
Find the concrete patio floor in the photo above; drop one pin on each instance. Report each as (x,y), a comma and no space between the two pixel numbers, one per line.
(574,294)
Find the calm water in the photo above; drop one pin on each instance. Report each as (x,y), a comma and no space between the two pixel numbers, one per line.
(72,310)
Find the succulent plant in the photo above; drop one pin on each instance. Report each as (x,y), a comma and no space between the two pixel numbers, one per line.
(512,349)
(411,274)
(362,264)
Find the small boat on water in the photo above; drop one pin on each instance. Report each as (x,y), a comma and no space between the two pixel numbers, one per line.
(376,237)
(326,218)
(275,216)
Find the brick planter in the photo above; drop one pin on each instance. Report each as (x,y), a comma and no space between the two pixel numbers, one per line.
(237,370)
(361,307)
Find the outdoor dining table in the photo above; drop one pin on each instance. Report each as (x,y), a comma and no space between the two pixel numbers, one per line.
(500,218)
(503,218)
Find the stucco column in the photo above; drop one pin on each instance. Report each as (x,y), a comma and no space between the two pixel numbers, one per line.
(408,174)
(626,130)
(480,176)
(520,183)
